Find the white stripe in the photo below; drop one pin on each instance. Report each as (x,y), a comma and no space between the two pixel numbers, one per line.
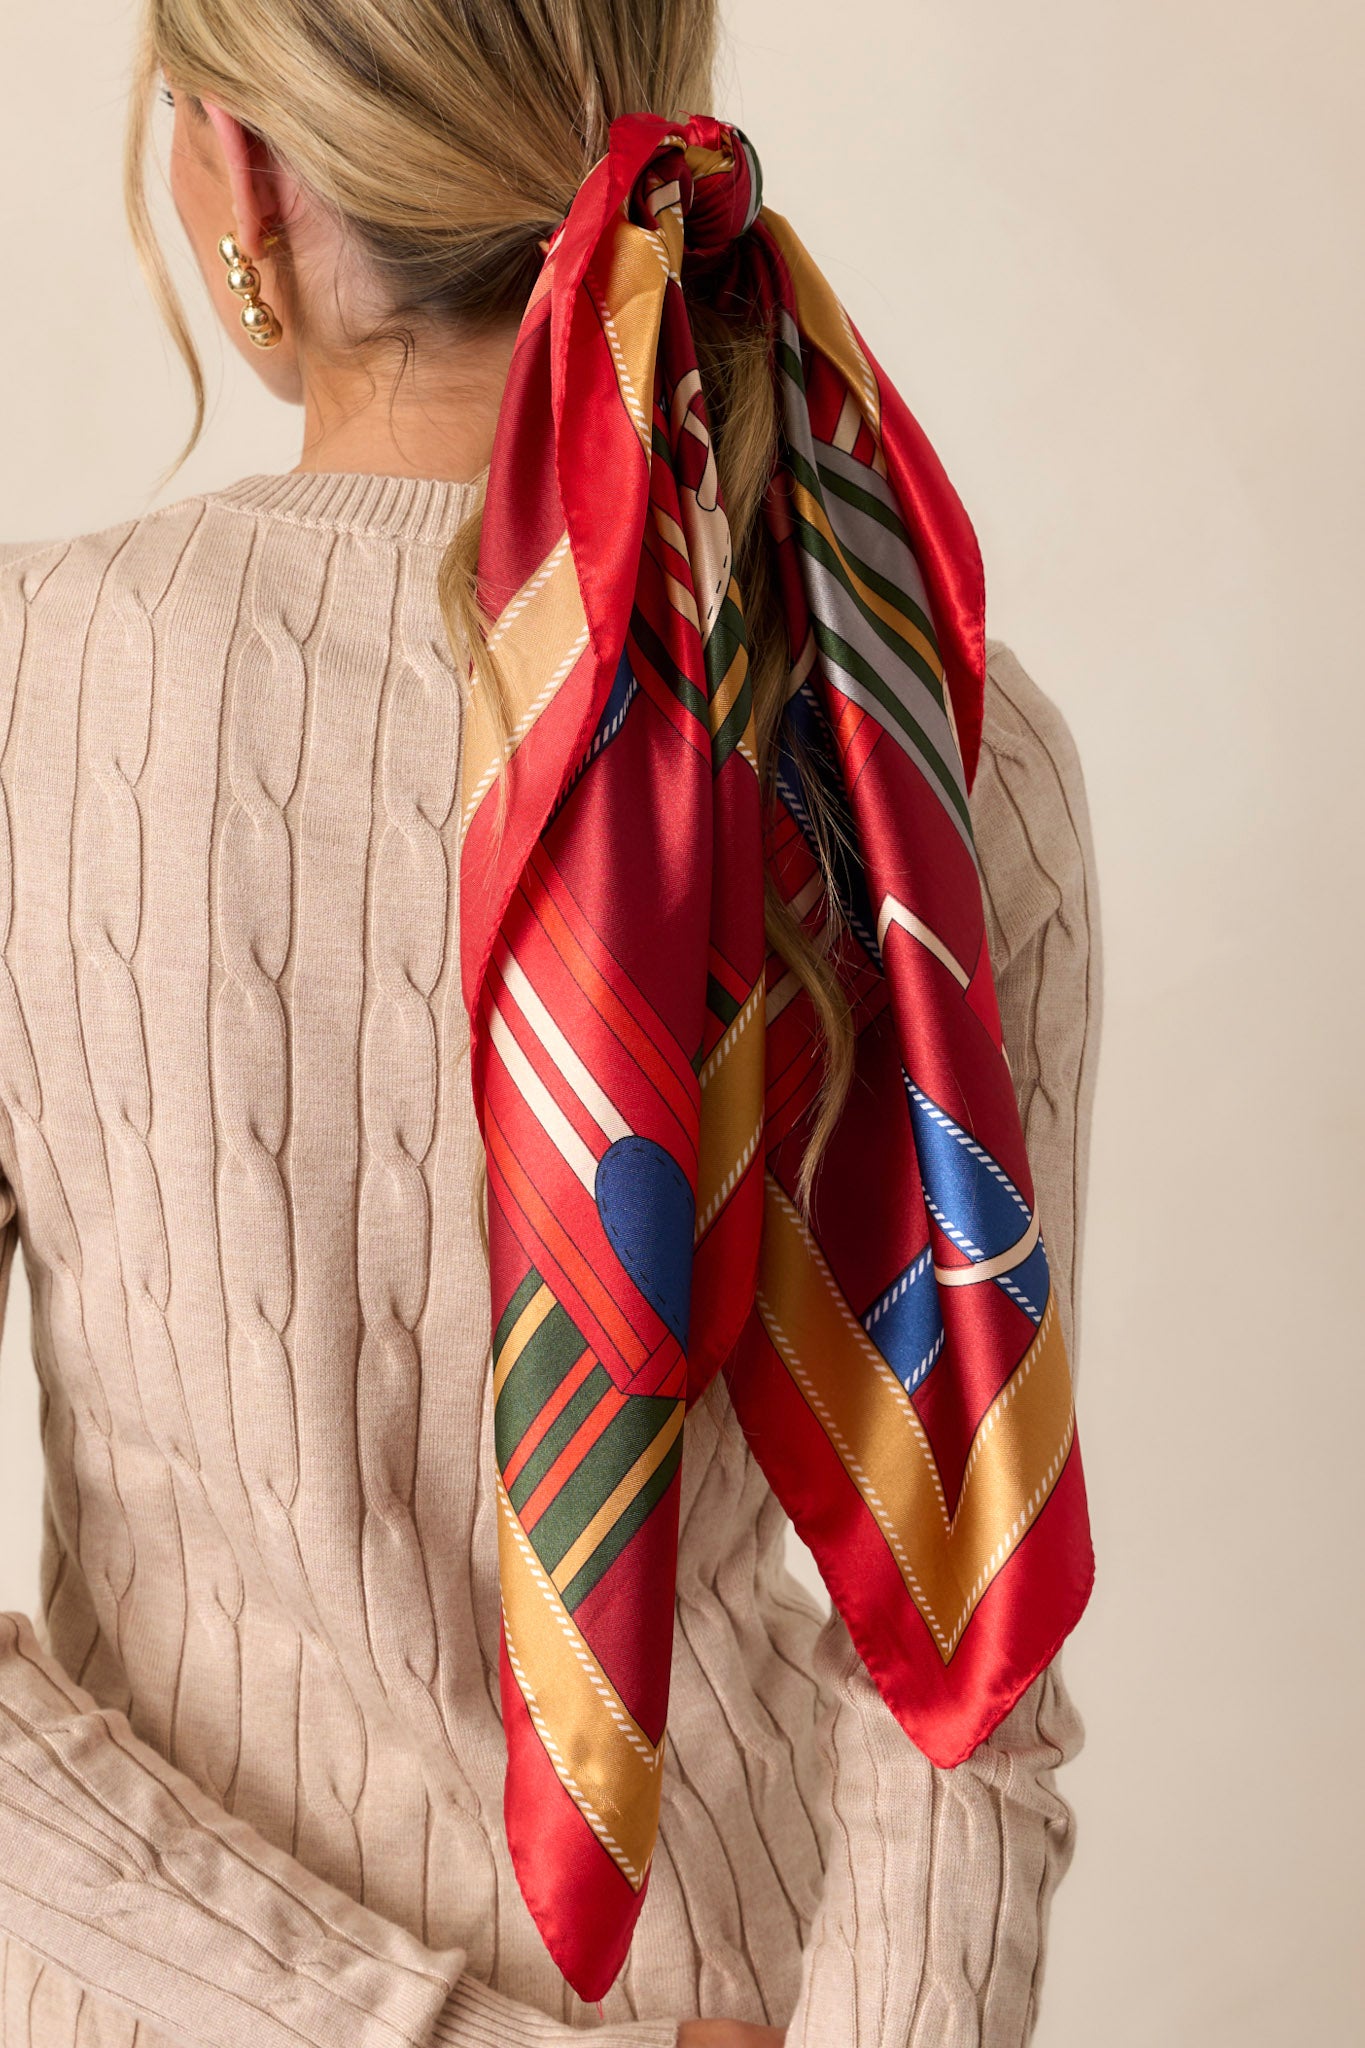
(541,1103)
(805,900)
(987,1269)
(731,1038)
(519,732)
(602,1111)
(872,403)
(789,985)
(630,397)
(779,995)
(849,424)
(893,912)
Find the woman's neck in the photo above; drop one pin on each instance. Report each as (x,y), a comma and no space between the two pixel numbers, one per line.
(433,418)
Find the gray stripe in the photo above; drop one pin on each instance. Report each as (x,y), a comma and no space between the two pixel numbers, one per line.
(855,472)
(834,606)
(871,542)
(864,535)
(880,551)
(830,603)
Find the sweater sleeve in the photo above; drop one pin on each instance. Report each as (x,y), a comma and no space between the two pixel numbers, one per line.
(117,1870)
(930,1932)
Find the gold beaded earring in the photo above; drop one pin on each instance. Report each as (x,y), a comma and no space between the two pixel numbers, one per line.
(244,279)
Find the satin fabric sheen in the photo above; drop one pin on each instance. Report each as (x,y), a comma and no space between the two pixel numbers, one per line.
(645,1068)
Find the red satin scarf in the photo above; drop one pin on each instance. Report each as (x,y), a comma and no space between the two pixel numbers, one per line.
(644,1067)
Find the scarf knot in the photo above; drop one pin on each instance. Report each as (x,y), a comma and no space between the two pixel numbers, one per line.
(704,170)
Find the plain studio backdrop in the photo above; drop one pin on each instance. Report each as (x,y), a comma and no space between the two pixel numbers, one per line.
(1111,256)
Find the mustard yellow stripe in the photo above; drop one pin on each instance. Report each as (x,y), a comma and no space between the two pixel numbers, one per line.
(731,1109)
(823,320)
(814,513)
(728,689)
(521,1333)
(617,1501)
(732,682)
(1015,1458)
(703,162)
(626,279)
(602,1756)
(534,643)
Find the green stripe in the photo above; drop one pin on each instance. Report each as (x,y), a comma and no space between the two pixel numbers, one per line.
(555,1347)
(724,742)
(721,1001)
(575,1411)
(621,1531)
(814,542)
(603,1469)
(866,501)
(659,658)
(524,1295)
(883,585)
(789,362)
(849,658)
(722,642)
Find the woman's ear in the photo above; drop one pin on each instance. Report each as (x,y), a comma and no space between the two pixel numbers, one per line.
(261,193)
(227,181)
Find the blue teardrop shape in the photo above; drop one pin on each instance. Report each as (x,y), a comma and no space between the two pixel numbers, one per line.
(648,1214)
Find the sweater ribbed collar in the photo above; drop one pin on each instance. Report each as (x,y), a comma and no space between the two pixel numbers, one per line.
(415,508)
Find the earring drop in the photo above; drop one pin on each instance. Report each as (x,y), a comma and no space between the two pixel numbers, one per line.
(244,279)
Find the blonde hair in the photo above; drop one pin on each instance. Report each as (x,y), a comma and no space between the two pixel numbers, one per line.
(449,137)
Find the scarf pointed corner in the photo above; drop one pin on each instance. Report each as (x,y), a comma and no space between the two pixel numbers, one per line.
(645,1060)
(568,1865)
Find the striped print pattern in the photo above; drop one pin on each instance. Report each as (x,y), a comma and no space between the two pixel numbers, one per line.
(645,1068)
(582,1464)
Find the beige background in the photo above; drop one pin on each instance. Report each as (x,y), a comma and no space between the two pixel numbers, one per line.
(1112,256)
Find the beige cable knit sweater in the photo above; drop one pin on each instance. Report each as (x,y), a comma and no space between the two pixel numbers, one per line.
(250,1756)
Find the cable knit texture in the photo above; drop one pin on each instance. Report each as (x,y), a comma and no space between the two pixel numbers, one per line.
(251,1761)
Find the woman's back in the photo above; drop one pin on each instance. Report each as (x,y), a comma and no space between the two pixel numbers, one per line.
(233,1061)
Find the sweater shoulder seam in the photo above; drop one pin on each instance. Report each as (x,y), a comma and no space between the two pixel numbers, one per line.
(116,532)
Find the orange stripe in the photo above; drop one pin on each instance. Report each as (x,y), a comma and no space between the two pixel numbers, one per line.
(559,916)
(619,1334)
(574,1451)
(560,1399)
(561,1092)
(618,1501)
